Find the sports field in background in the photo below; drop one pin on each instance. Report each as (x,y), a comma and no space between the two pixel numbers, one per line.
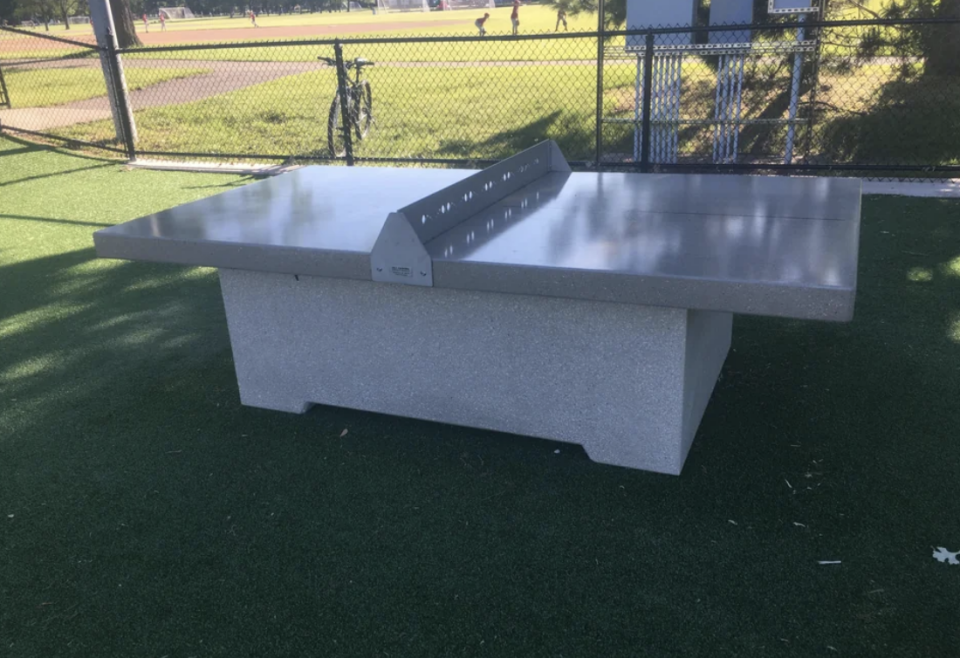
(533,19)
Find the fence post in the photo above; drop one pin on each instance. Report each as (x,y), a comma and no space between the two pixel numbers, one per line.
(123,106)
(342,91)
(103,27)
(599,136)
(4,96)
(647,86)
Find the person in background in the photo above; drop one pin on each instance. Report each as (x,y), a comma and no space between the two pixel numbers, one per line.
(515,16)
(163,22)
(480,22)
(561,18)
(253,18)
(146,23)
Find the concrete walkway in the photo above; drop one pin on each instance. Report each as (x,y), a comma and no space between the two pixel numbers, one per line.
(948,188)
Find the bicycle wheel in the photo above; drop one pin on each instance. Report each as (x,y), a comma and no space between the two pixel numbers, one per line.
(364,109)
(335,139)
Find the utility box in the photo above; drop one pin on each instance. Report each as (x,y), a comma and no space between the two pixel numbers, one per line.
(790,6)
(731,12)
(643,14)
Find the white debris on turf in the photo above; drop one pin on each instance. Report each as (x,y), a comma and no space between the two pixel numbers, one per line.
(940,554)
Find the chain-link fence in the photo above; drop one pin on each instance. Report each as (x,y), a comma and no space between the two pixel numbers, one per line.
(878,98)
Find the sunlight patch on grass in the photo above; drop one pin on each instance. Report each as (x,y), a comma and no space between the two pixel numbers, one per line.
(952,268)
(954,332)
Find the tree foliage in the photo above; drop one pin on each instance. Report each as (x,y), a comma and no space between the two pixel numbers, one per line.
(938,45)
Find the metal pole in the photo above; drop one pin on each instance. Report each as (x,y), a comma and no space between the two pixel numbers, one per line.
(342,91)
(725,112)
(794,95)
(4,94)
(656,119)
(675,126)
(599,136)
(103,28)
(647,85)
(736,125)
(666,89)
(123,109)
(718,117)
(636,113)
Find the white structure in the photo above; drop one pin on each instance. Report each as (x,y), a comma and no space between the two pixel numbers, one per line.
(468,4)
(729,99)
(175,13)
(731,47)
(667,71)
(402,5)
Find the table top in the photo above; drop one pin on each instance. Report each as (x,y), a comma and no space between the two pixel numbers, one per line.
(748,244)
(312,220)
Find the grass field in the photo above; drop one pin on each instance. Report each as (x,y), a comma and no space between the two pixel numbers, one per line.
(145,512)
(534,18)
(49,86)
(459,112)
(492,111)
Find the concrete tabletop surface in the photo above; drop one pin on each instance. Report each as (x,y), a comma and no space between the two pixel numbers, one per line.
(749,244)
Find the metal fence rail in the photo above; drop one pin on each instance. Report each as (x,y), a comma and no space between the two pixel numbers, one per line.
(862,96)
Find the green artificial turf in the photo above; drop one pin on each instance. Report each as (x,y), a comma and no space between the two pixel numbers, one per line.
(144,512)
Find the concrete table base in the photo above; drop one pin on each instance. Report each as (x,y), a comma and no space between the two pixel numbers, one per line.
(629,383)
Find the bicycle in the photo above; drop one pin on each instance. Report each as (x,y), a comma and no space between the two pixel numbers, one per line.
(359,108)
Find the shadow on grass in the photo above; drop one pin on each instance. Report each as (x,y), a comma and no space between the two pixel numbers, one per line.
(575,140)
(53,175)
(145,510)
(19,151)
(54,220)
(28,146)
(913,121)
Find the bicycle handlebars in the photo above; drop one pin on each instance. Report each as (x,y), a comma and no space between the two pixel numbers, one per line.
(349,63)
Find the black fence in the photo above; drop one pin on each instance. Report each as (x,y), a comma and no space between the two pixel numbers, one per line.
(874,98)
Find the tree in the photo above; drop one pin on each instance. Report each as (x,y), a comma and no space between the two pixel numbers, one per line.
(65,9)
(938,45)
(42,10)
(123,24)
(8,9)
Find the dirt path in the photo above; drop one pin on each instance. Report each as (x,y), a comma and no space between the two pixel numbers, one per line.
(222,77)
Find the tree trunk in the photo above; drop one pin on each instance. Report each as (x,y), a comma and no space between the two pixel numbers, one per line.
(123,23)
(943,48)
(65,15)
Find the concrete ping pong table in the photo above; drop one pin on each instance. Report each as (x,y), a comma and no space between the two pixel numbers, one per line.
(591,308)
